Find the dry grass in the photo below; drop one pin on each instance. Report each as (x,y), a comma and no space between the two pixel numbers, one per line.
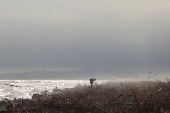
(139,97)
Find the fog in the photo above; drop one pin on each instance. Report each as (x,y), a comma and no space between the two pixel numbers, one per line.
(130,36)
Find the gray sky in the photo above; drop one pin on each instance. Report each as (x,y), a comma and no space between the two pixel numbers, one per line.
(85,34)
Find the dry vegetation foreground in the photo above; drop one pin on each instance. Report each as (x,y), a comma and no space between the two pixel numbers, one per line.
(136,97)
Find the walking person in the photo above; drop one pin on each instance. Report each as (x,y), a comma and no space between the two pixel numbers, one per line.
(91,81)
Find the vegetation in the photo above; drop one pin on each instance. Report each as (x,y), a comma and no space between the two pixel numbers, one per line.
(136,97)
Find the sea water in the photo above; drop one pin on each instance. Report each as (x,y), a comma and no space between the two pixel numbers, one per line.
(26,88)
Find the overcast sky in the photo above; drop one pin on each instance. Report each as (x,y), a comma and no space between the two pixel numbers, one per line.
(85,34)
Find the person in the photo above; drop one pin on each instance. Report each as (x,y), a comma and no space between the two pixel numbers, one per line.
(92,80)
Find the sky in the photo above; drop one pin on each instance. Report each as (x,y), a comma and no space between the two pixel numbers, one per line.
(127,35)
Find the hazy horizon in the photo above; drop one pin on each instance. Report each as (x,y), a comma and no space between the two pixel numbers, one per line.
(130,36)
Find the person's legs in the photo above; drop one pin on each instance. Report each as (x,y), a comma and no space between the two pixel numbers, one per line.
(91,84)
